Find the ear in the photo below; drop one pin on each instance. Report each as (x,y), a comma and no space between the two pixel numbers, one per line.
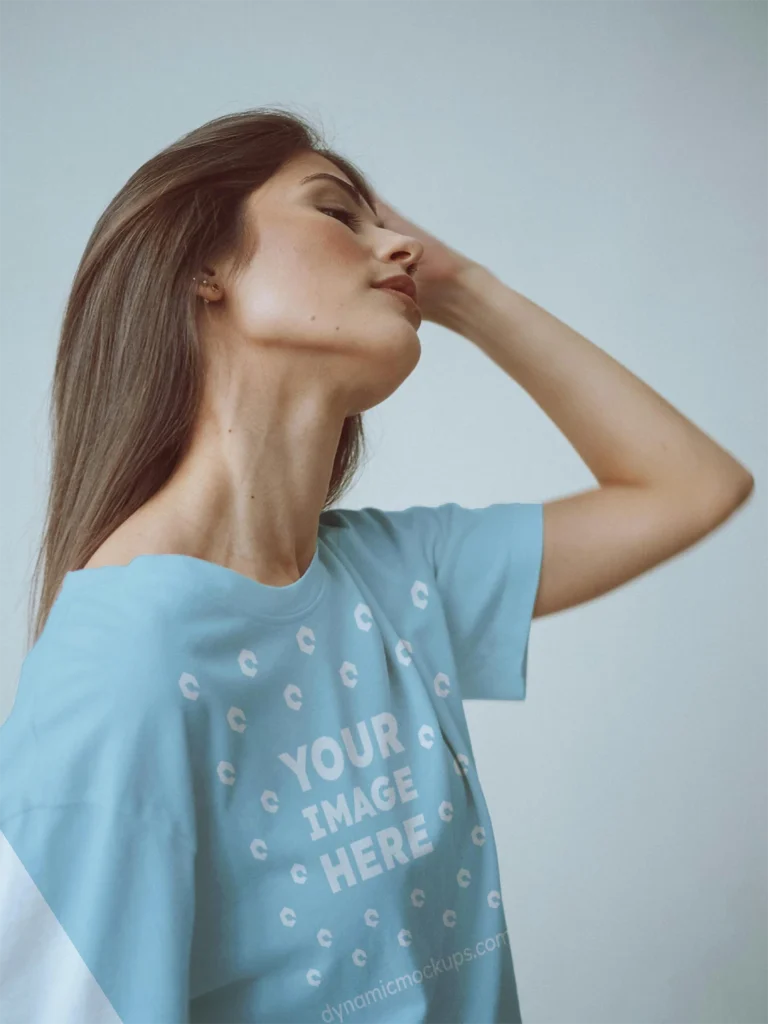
(207,289)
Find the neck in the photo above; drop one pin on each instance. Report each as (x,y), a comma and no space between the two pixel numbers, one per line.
(250,489)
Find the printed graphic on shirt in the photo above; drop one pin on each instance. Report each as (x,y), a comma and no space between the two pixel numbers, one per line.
(368,835)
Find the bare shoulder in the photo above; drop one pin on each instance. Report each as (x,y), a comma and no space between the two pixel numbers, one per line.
(138,535)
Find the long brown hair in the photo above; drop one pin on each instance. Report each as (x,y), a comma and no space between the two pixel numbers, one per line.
(128,377)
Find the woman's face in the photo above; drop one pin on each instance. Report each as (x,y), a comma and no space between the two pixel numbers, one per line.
(307,295)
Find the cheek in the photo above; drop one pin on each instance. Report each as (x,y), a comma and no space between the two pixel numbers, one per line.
(305,270)
(295,309)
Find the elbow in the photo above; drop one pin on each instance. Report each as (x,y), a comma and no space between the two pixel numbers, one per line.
(722,497)
(742,487)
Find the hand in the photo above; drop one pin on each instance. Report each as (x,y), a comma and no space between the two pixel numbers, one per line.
(439,268)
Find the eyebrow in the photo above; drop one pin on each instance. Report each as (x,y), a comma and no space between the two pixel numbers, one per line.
(351,191)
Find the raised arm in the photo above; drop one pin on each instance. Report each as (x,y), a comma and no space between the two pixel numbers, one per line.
(663,483)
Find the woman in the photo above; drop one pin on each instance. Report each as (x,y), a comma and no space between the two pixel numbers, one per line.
(238,770)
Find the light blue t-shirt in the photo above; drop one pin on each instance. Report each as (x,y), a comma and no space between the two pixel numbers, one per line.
(227,802)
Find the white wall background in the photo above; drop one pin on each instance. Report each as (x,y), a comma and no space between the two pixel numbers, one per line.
(608,160)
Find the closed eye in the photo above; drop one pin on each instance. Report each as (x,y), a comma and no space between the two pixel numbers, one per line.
(351,219)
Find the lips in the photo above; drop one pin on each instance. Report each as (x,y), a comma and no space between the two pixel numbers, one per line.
(399,283)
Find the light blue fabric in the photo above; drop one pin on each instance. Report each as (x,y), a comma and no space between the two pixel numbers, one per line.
(253,803)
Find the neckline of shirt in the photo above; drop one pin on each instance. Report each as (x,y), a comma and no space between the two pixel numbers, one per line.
(211,581)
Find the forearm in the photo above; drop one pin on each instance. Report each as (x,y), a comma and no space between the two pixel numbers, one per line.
(623,430)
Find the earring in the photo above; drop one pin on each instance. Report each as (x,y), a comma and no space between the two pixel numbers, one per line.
(205,281)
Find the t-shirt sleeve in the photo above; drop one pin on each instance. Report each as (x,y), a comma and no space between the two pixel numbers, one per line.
(96,918)
(487,564)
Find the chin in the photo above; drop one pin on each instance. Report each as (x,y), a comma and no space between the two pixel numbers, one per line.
(384,375)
